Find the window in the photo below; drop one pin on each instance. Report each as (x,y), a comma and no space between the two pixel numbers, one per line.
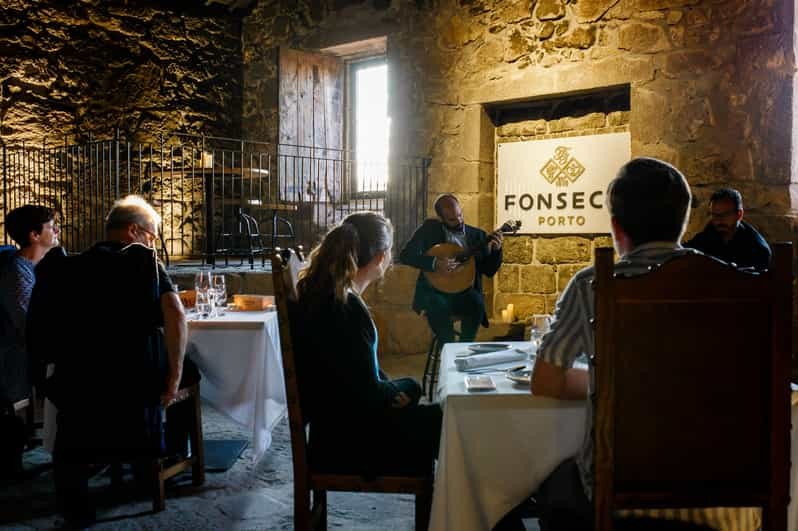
(370,124)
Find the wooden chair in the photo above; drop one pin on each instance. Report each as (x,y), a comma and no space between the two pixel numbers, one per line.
(313,515)
(692,378)
(162,469)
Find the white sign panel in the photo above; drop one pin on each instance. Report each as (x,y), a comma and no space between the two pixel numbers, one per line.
(558,186)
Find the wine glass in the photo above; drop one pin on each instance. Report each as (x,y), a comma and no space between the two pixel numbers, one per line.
(539,325)
(203,305)
(202,281)
(219,290)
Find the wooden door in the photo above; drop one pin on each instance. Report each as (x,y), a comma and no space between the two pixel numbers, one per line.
(311,126)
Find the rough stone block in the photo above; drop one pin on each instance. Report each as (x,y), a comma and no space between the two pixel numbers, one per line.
(643,37)
(562,250)
(533,128)
(650,116)
(462,177)
(602,241)
(592,10)
(565,272)
(617,118)
(508,279)
(551,302)
(593,120)
(398,285)
(517,250)
(550,10)
(524,304)
(546,30)
(401,331)
(538,279)
(581,38)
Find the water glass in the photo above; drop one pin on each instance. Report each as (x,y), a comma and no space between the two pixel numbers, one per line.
(219,290)
(204,304)
(539,325)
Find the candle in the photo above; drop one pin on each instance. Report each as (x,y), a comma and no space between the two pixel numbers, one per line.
(511,312)
(505,316)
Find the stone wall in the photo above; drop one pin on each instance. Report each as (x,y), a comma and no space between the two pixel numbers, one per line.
(710,85)
(75,71)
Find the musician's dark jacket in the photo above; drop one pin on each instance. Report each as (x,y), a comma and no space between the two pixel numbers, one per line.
(432,232)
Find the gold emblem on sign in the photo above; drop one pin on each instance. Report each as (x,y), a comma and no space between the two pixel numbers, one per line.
(562,169)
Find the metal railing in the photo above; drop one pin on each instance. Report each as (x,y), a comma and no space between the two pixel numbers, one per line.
(206,188)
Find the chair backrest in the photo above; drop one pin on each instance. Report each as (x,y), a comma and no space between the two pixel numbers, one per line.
(282,297)
(692,386)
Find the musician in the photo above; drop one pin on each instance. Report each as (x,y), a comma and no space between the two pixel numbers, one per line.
(439,307)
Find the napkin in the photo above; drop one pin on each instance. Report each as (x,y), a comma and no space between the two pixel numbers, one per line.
(490,358)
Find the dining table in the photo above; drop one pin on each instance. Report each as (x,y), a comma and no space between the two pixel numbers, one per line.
(498,446)
(238,354)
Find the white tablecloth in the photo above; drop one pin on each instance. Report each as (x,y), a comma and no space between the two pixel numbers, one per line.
(239,357)
(498,447)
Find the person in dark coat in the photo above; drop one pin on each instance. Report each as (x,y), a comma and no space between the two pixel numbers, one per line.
(361,421)
(729,238)
(114,328)
(439,307)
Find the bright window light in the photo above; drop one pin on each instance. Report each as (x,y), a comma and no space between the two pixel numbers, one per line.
(372,126)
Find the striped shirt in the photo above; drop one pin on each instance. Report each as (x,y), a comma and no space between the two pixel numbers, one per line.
(571,336)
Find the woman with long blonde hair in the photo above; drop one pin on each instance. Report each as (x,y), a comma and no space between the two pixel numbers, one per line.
(360,420)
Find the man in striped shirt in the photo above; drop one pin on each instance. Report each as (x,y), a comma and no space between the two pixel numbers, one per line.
(648,201)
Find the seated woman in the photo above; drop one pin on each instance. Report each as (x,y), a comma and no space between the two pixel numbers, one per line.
(361,422)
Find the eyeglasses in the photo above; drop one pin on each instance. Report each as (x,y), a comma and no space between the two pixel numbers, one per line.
(153,237)
(722,215)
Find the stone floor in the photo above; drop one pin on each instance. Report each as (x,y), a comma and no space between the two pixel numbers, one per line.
(251,495)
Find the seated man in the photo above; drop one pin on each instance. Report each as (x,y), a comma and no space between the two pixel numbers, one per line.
(648,202)
(35,230)
(98,317)
(729,238)
(439,307)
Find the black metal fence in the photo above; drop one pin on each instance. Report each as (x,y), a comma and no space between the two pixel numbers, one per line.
(217,196)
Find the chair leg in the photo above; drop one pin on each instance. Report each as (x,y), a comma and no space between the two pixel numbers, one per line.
(320,510)
(197,447)
(423,509)
(303,514)
(158,491)
(426,375)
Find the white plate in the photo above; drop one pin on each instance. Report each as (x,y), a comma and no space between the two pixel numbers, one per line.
(520,376)
(488,347)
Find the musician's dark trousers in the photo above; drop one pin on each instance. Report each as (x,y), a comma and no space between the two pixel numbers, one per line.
(443,307)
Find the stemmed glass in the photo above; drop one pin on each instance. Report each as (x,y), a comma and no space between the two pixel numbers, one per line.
(219,290)
(540,324)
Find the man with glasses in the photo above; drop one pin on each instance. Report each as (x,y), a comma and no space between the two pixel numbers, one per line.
(112,324)
(729,238)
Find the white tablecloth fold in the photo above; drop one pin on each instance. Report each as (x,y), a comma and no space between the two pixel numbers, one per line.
(240,360)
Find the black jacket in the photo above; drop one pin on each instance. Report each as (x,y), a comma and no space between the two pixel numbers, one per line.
(97,315)
(432,232)
(746,249)
(335,357)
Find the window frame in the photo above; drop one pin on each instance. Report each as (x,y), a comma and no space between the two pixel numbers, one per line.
(352,67)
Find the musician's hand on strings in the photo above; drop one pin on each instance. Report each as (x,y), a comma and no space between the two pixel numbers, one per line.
(445,265)
(495,241)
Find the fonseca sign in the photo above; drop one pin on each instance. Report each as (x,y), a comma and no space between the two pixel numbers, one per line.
(558,185)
